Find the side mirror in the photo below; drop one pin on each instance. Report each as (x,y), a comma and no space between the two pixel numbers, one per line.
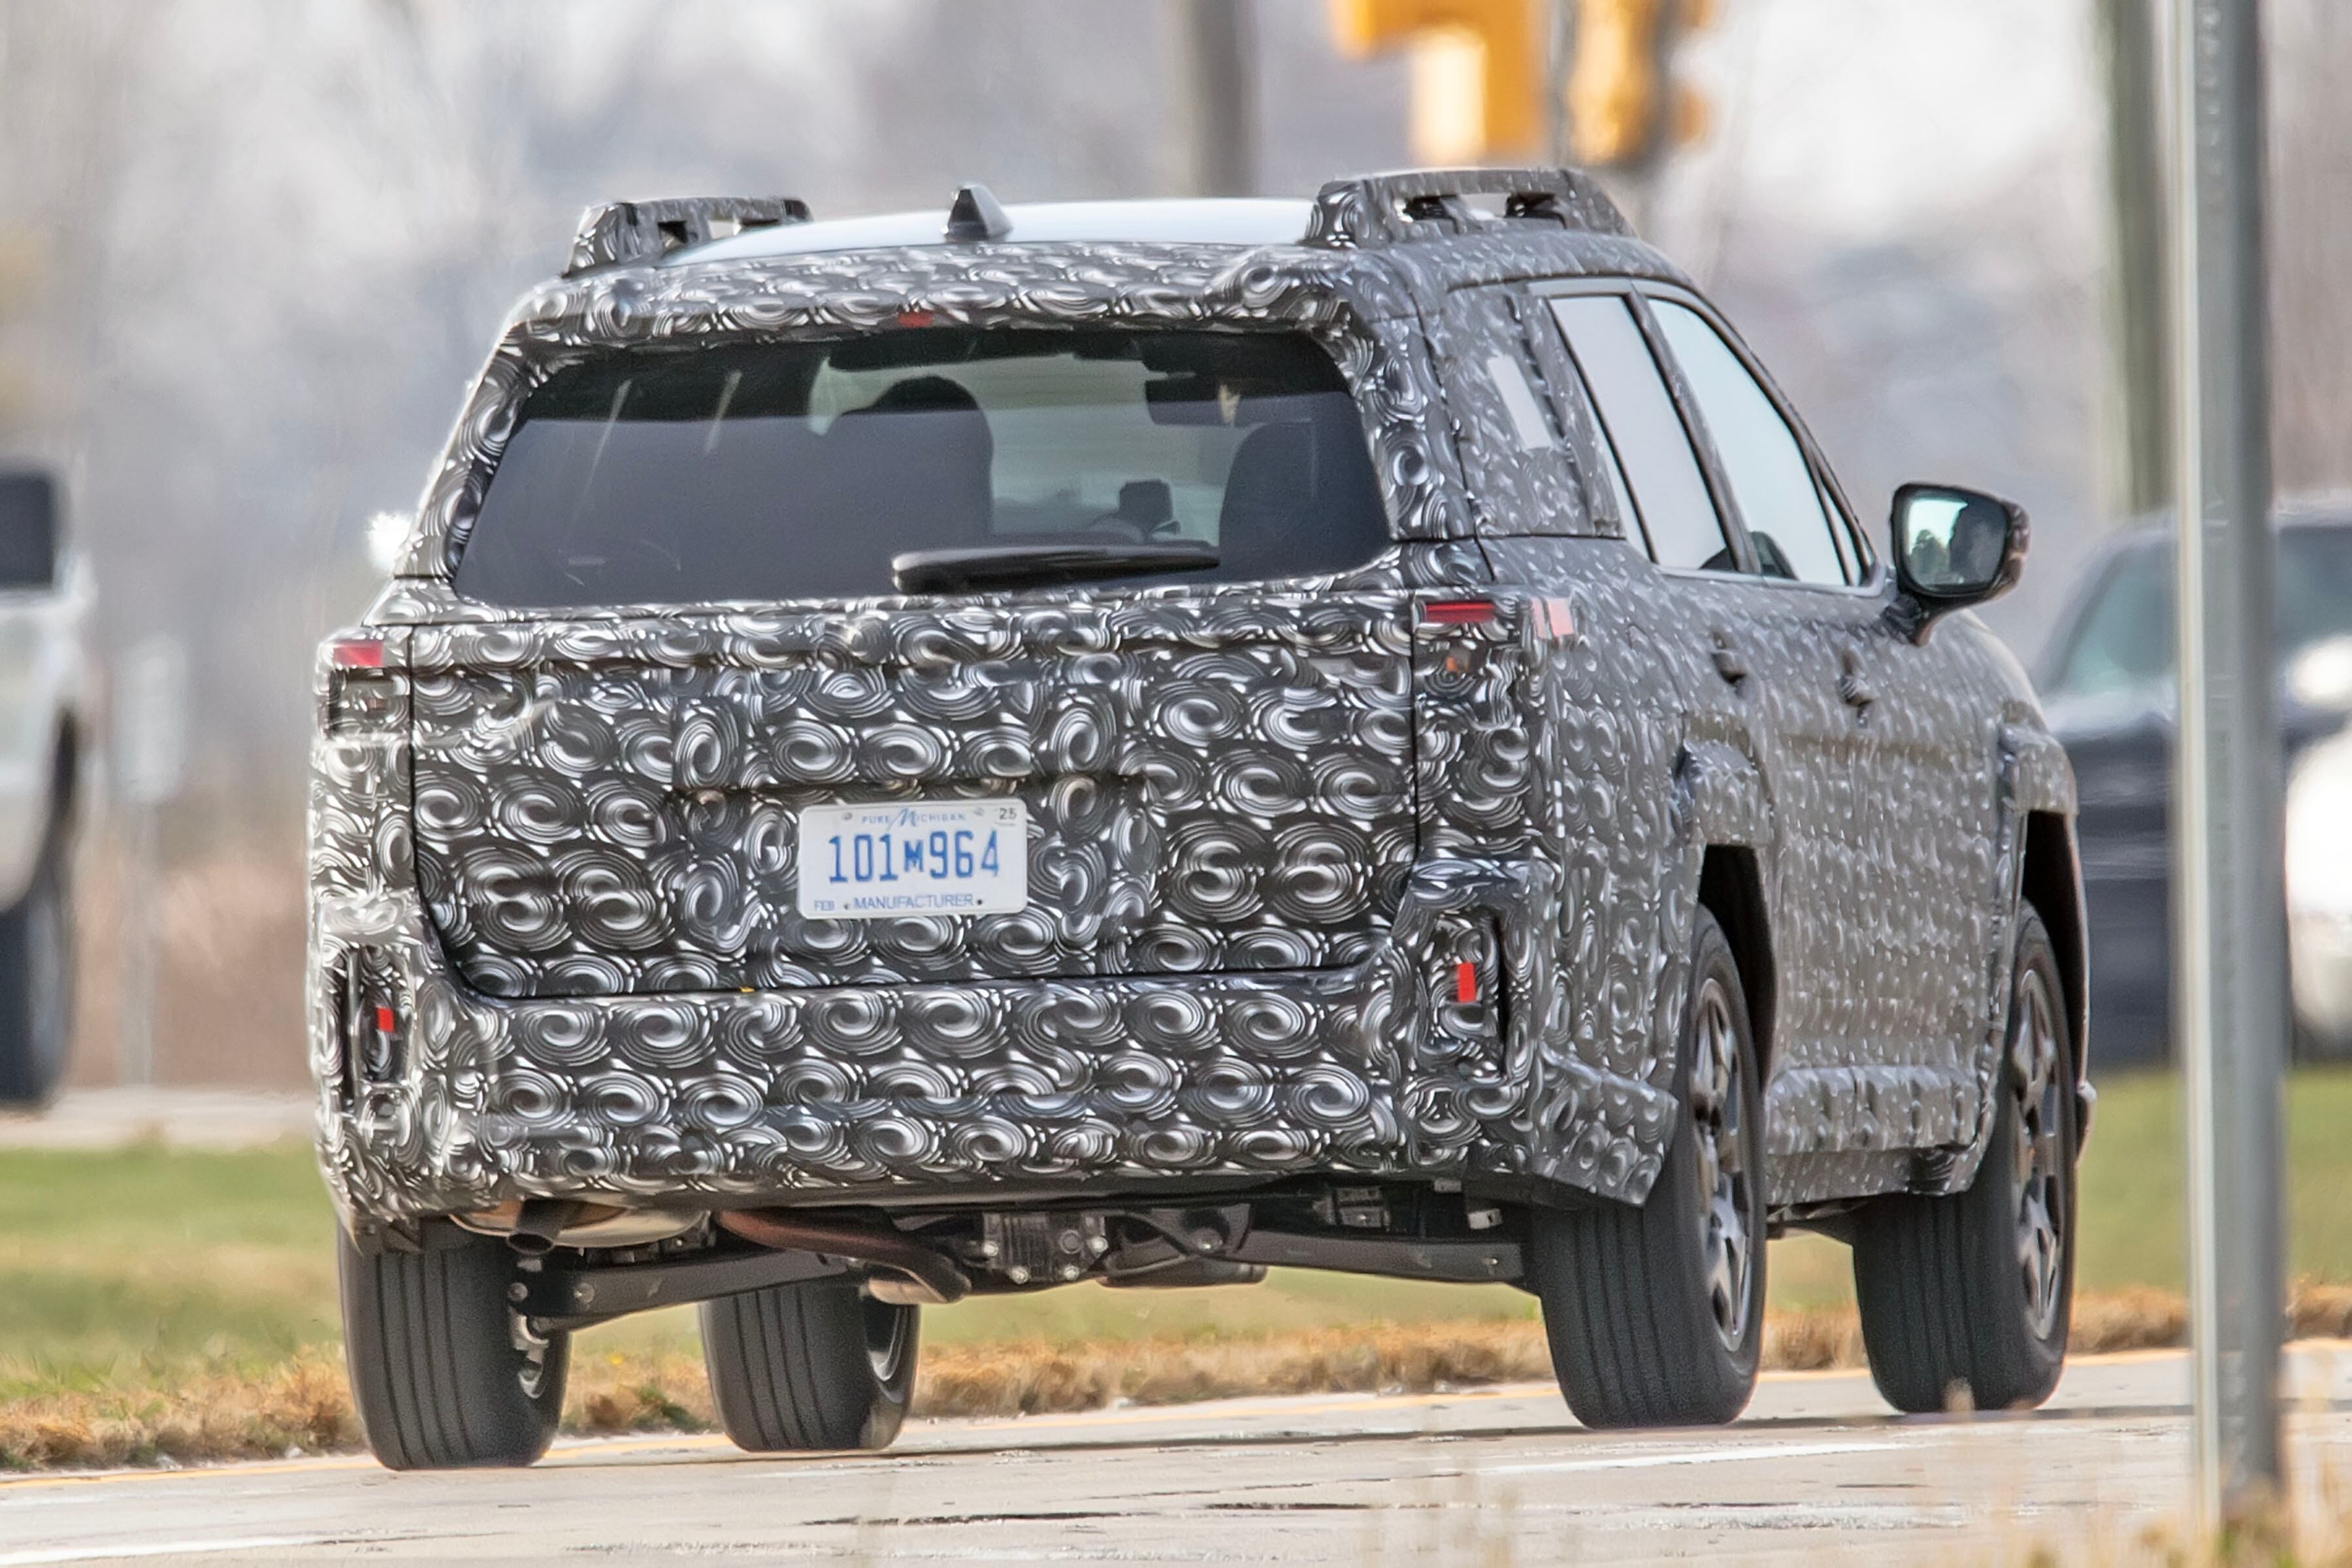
(28,530)
(1953,548)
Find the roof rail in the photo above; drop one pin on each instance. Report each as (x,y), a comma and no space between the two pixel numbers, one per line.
(647,231)
(1370,210)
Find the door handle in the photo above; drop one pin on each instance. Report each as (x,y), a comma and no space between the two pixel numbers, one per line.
(1854,688)
(1729,663)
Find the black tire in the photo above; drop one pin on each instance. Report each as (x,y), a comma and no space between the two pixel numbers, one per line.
(36,963)
(1656,1314)
(815,1367)
(442,1370)
(1966,1298)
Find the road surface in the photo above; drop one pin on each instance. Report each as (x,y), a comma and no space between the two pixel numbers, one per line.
(1817,1474)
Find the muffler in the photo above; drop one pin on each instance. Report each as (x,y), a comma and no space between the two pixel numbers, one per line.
(933,1280)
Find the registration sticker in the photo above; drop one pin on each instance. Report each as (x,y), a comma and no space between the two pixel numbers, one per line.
(914,858)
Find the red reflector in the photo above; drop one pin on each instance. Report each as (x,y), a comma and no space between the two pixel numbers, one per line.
(915,318)
(384,1020)
(1466,982)
(1457,612)
(356,653)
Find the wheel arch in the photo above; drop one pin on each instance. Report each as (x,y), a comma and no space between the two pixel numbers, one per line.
(65,772)
(2051,881)
(1731,889)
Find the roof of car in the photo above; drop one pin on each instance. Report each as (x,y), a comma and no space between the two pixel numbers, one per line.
(1236,221)
(1367,211)
(2153,530)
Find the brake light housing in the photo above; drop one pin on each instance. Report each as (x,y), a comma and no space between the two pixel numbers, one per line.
(356,653)
(1457,612)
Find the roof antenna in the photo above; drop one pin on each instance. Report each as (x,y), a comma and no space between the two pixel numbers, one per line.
(975,216)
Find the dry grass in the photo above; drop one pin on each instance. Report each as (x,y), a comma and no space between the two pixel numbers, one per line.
(303,1407)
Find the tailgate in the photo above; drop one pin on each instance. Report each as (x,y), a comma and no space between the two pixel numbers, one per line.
(1211,783)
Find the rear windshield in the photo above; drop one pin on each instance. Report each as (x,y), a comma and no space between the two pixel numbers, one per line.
(799,470)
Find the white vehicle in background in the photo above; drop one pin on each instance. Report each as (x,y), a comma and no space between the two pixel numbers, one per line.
(2319,855)
(47,702)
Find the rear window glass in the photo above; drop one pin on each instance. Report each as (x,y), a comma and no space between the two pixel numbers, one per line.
(799,470)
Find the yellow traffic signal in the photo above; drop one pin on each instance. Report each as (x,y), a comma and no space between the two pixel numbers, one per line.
(1508,117)
(1617,86)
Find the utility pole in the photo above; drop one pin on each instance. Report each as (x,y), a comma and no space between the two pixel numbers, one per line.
(2231,908)
(1559,61)
(1213,96)
(151,747)
(2138,479)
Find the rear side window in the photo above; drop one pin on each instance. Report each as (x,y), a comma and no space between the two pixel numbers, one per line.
(1638,416)
(1773,484)
(798,470)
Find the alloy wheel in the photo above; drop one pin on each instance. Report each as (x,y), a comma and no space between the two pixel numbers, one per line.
(886,1337)
(1718,1123)
(2039,1176)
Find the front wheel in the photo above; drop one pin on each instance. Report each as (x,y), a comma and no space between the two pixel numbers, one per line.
(1966,1297)
(1656,1314)
(36,980)
(444,1372)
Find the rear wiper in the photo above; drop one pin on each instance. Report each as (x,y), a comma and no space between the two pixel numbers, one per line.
(1028,565)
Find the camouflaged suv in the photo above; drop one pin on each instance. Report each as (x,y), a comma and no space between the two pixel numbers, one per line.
(1133,742)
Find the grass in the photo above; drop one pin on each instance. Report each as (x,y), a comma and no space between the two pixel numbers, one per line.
(140,1282)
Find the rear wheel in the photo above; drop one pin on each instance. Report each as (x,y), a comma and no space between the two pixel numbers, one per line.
(1656,1314)
(445,1374)
(1966,1297)
(811,1366)
(36,982)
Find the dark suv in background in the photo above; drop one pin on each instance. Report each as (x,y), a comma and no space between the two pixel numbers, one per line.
(2107,679)
(986,749)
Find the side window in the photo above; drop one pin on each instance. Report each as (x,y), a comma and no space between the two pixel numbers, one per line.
(1774,486)
(1518,395)
(1523,474)
(1646,433)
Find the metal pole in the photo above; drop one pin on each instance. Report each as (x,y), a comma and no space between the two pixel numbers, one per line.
(1216,93)
(2139,471)
(135,1039)
(2230,909)
(1560,57)
(151,713)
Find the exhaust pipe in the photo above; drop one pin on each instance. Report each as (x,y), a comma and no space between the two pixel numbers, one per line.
(541,1221)
(934,1275)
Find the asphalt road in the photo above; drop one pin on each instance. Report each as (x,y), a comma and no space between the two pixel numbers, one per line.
(1816,1474)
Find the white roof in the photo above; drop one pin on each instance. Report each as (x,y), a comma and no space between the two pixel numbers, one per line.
(1239,221)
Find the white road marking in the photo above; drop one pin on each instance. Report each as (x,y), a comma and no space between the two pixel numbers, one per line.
(1721,1454)
(127,1549)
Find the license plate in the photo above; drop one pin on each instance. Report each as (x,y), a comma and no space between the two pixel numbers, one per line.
(914,858)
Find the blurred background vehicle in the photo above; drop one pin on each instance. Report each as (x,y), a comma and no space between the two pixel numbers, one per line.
(2107,683)
(45,706)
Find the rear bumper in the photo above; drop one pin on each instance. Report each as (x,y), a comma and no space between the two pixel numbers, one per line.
(904,1092)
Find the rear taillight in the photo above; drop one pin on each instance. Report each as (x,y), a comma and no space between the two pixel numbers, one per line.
(1457,612)
(362,694)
